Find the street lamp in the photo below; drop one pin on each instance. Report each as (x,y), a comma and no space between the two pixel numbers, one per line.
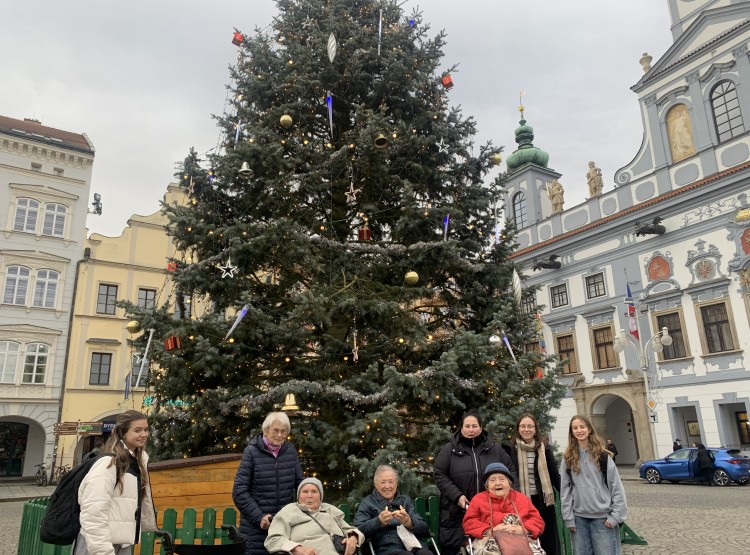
(657,344)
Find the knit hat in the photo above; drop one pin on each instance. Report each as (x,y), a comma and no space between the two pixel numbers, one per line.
(494,468)
(315,482)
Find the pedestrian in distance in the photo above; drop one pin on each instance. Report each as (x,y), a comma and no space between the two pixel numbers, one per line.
(704,465)
(458,475)
(538,475)
(612,448)
(115,495)
(677,445)
(266,480)
(593,498)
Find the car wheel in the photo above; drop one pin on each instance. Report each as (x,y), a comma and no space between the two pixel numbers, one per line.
(653,476)
(721,477)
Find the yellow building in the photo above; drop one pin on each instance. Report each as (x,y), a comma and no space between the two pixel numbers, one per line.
(130,267)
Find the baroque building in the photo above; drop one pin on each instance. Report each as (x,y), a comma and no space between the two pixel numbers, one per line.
(105,376)
(673,231)
(45,178)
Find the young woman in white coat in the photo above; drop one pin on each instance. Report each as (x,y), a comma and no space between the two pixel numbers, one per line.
(115,495)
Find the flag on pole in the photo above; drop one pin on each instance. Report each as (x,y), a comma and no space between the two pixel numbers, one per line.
(632,317)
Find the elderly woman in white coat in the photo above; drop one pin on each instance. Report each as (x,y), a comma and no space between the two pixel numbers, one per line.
(306,527)
(115,495)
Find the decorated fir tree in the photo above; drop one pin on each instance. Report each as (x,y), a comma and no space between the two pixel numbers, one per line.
(347,211)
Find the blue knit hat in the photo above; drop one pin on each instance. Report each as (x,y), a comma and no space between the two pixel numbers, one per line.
(494,468)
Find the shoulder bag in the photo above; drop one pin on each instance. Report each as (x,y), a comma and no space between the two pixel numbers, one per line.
(515,544)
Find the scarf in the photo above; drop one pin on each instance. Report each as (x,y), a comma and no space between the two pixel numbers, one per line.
(541,466)
(272,448)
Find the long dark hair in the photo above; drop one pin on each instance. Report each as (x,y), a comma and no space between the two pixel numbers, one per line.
(116,445)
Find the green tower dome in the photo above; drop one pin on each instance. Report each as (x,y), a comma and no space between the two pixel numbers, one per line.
(526,153)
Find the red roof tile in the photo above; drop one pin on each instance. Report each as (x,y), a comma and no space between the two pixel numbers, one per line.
(628,211)
(35,131)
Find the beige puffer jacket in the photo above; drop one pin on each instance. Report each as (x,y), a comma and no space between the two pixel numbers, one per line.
(108,515)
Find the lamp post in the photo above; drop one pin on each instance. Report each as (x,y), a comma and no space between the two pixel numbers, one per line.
(657,343)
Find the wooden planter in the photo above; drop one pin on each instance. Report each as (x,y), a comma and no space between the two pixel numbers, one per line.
(198,483)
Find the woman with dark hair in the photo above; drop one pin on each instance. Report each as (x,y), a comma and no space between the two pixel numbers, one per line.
(538,476)
(593,499)
(266,480)
(115,495)
(704,464)
(458,475)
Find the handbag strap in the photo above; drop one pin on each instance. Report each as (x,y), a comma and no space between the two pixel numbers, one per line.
(510,496)
(324,530)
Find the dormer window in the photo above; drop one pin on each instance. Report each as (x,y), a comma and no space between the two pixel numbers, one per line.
(726,109)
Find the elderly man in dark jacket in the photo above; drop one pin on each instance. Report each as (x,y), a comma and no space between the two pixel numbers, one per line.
(266,480)
(380,514)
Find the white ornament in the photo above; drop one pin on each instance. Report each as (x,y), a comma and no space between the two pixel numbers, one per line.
(331,47)
(227,270)
(351,194)
(442,147)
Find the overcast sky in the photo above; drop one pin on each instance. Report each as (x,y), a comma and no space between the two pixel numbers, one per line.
(142,79)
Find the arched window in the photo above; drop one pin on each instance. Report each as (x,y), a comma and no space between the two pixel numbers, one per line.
(8,361)
(27,211)
(726,107)
(45,290)
(35,363)
(520,216)
(16,285)
(54,220)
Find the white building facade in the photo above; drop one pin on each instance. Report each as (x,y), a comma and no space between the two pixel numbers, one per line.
(45,178)
(675,229)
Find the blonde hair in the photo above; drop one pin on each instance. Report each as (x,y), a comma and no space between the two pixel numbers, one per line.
(596,445)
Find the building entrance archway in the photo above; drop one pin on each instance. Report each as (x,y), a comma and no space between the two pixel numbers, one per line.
(618,411)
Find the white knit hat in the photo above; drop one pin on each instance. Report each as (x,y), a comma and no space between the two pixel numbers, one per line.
(313,481)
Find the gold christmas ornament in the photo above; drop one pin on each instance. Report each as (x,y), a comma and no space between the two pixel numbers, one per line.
(411,277)
(286,121)
(381,142)
(133,326)
(496,159)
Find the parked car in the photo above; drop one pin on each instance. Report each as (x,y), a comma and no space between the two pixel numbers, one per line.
(730,465)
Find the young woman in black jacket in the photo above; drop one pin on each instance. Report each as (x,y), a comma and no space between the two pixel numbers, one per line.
(538,474)
(458,475)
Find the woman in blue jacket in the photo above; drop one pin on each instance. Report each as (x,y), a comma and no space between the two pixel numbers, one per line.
(266,480)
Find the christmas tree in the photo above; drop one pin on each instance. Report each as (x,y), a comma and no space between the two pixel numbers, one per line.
(346,225)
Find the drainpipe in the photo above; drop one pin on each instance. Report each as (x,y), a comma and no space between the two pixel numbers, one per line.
(86,257)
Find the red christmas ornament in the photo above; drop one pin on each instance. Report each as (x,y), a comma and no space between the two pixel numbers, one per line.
(364,232)
(171,266)
(172,342)
(238,38)
(447,81)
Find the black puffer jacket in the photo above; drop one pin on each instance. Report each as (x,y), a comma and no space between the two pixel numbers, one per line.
(459,467)
(263,485)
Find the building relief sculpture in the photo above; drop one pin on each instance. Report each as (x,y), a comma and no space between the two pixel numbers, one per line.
(680,132)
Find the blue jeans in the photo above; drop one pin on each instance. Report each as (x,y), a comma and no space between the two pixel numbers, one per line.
(593,538)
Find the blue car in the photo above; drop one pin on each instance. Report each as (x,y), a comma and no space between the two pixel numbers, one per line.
(730,465)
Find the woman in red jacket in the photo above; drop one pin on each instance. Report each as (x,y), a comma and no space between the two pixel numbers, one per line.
(498,500)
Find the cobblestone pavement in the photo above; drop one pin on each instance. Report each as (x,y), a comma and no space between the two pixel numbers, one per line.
(675,519)
(688,518)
